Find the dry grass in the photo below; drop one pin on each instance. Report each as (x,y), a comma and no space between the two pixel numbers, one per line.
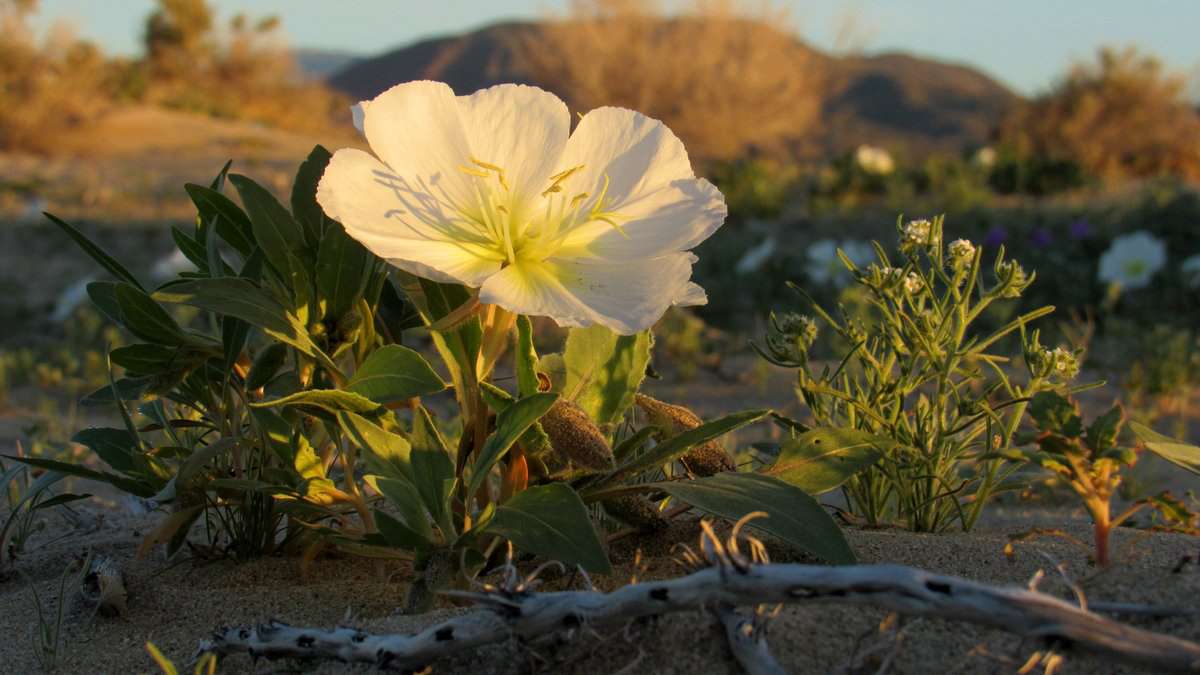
(1123,116)
(724,79)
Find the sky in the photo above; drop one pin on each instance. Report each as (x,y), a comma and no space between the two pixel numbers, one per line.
(1023,43)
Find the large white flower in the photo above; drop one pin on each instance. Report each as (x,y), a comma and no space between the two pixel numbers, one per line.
(492,191)
(1133,259)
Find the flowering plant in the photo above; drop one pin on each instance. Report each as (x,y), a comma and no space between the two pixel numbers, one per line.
(291,414)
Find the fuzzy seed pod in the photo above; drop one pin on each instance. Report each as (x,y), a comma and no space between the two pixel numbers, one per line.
(636,511)
(705,459)
(434,573)
(574,436)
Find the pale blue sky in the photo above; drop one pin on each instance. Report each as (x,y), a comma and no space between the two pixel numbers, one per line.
(1025,43)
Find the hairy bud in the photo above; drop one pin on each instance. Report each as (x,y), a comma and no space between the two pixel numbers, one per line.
(636,511)
(705,459)
(574,436)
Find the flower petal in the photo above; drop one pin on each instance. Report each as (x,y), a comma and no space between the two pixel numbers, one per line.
(409,228)
(519,128)
(415,128)
(627,297)
(659,203)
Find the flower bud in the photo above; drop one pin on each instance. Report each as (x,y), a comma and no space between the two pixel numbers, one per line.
(705,459)
(636,511)
(574,436)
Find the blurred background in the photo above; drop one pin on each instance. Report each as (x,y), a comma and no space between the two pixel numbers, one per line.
(1070,138)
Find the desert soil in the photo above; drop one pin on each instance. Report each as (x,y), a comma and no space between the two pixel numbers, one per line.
(176,603)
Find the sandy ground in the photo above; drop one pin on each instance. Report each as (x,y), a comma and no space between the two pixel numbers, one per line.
(174,605)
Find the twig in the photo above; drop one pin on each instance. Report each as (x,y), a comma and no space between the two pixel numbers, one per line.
(748,642)
(732,579)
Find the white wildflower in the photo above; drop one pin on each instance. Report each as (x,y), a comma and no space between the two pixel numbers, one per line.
(874,160)
(1132,260)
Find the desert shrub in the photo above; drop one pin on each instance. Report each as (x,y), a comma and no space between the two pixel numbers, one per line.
(44,88)
(723,79)
(1121,117)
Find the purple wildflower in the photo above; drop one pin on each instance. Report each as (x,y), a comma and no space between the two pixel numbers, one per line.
(1080,229)
(1041,238)
(995,236)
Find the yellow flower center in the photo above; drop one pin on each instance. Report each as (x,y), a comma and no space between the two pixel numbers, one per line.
(519,228)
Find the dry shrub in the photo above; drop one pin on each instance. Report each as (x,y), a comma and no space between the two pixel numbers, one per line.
(1121,117)
(242,72)
(45,88)
(722,78)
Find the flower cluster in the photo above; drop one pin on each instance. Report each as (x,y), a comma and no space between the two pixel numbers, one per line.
(789,338)
(962,253)
(917,233)
(1011,278)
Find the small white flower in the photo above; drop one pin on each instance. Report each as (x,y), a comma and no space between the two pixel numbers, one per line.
(985,157)
(962,252)
(1132,260)
(493,191)
(917,233)
(874,160)
(1191,270)
(913,283)
(1066,365)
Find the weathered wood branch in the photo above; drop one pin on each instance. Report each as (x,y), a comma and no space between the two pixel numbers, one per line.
(527,614)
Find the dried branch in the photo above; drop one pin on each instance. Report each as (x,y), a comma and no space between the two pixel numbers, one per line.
(515,609)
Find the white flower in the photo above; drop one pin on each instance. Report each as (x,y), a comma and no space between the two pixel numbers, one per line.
(1066,365)
(917,233)
(985,157)
(913,283)
(874,160)
(1191,270)
(825,267)
(962,252)
(492,191)
(1133,259)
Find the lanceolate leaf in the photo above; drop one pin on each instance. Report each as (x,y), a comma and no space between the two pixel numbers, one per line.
(115,446)
(604,370)
(510,425)
(304,195)
(551,521)
(106,261)
(343,268)
(674,447)
(793,516)
(331,400)
(1180,454)
(820,460)
(147,319)
(232,224)
(277,233)
(432,466)
(395,373)
(241,299)
(386,453)
(525,358)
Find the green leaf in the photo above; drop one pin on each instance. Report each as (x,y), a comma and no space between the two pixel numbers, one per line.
(1103,431)
(395,373)
(147,319)
(277,233)
(432,466)
(304,195)
(820,460)
(132,486)
(793,515)
(343,269)
(231,222)
(128,388)
(115,446)
(551,521)
(526,358)
(241,299)
(1180,454)
(674,447)
(386,453)
(1055,413)
(604,370)
(193,250)
(104,296)
(150,359)
(510,425)
(404,496)
(397,534)
(198,459)
(96,253)
(331,400)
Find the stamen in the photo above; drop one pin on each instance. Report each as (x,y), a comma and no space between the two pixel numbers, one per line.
(473,172)
(558,178)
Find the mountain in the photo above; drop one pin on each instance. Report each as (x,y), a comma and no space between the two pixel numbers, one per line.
(318,64)
(908,104)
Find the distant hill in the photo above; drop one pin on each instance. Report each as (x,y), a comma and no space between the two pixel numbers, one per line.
(318,64)
(906,103)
